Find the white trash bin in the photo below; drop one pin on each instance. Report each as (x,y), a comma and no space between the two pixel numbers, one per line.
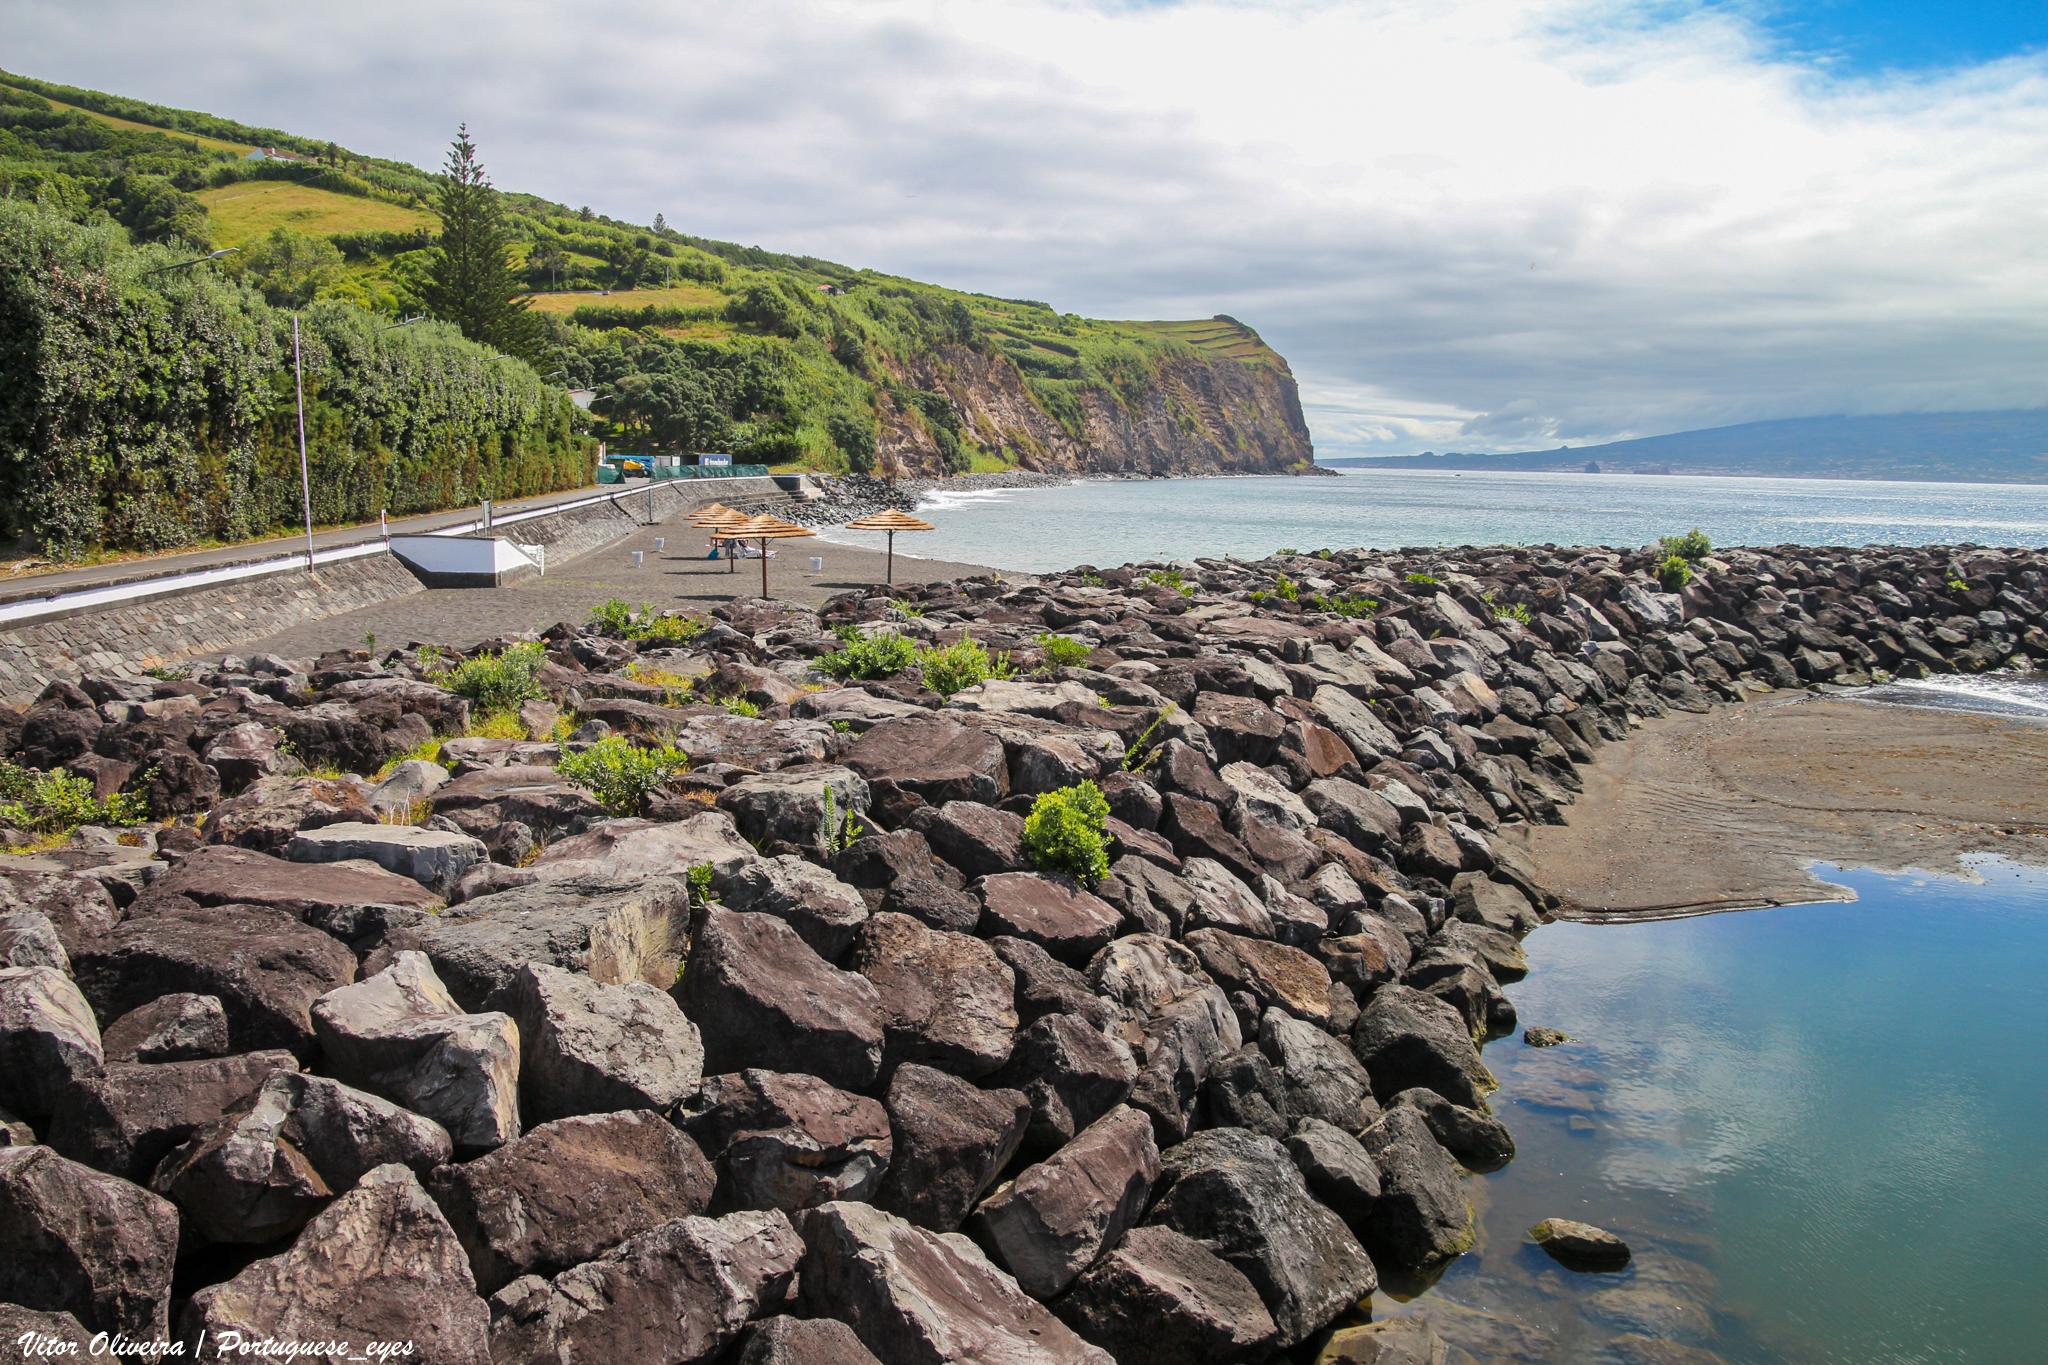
(817,563)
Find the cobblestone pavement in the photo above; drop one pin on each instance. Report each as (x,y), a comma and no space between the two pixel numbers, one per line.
(666,578)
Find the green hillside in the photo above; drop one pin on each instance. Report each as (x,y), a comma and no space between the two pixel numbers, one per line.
(691,344)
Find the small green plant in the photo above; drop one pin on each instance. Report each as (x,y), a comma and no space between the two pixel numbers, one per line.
(427,749)
(1257,595)
(868,656)
(675,688)
(565,725)
(844,727)
(1061,651)
(1166,578)
(740,706)
(621,774)
(426,658)
(1067,832)
(56,802)
(837,832)
(1286,589)
(1422,580)
(1142,752)
(1326,554)
(1091,580)
(1345,604)
(614,616)
(1691,547)
(1674,572)
(495,725)
(699,877)
(168,672)
(1286,550)
(500,681)
(1512,611)
(1958,585)
(370,641)
(913,610)
(948,669)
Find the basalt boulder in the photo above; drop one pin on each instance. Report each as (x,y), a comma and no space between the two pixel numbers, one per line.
(1162,1296)
(127,1119)
(788,1141)
(1057,1216)
(951,1141)
(590,1048)
(1421,1216)
(1406,1038)
(49,1041)
(947,999)
(761,997)
(74,1240)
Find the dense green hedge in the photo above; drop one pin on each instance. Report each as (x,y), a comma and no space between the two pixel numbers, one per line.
(149,410)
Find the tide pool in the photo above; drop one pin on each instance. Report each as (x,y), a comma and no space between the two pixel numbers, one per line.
(1822,1128)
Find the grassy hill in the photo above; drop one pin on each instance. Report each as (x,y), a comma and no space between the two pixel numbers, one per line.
(691,343)
(1952,447)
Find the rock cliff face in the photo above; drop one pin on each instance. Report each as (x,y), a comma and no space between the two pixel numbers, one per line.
(1194,413)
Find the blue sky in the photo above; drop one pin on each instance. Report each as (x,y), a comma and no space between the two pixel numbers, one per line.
(1868,37)
(1468,224)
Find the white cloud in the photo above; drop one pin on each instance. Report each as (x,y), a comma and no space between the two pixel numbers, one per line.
(1471,224)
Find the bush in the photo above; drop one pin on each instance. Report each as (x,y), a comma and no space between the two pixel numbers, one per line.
(1061,651)
(958,666)
(615,617)
(1423,580)
(868,656)
(1691,547)
(621,774)
(1066,832)
(1674,572)
(58,802)
(1345,604)
(498,682)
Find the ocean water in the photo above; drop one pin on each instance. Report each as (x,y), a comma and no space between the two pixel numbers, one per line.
(1043,529)
(1823,1129)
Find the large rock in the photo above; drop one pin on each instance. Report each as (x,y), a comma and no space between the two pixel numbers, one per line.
(273,810)
(127,1119)
(566,1190)
(610,932)
(788,809)
(379,1264)
(947,999)
(620,852)
(1479,1141)
(29,939)
(73,1240)
(1396,1341)
(266,968)
(1273,974)
(1339,1171)
(273,1161)
(1162,1296)
(1355,723)
(925,1298)
(679,1292)
(352,901)
(951,1141)
(789,1141)
(434,858)
(589,1048)
(400,1034)
(45,1335)
(978,840)
(1240,1195)
(761,997)
(1073,1072)
(803,1341)
(825,912)
(929,759)
(78,908)
(1496,905)
(1421,1216)
(1052,912)
(1408,1038)
(49,1040)
(1049,1223)
(1580,1246)
(1045,986)
(171,1028)
(485,800)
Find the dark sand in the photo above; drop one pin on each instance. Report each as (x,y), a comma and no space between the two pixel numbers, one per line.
(1725,811)
(667,579)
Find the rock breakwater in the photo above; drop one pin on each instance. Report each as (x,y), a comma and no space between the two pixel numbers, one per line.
(803,1052)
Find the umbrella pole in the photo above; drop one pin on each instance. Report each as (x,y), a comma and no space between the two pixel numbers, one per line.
(764,566)
(889,565)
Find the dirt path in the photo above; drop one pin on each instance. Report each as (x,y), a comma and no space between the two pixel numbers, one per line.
(1726,810)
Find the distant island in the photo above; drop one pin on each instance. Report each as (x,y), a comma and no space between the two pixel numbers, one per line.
(1946,447)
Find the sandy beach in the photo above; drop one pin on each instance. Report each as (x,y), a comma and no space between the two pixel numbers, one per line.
(1725,811)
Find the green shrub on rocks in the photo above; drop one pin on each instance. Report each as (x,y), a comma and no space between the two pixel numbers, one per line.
(614,616)
(953,668)
(57,802)
(1674,572)
(1067,832)
(1061,651)
(868,656)
(498,681)
(622,774)
(1691,547)
(1347,605)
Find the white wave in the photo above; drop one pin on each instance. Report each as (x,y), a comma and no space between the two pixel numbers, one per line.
(2026,694)
(941,499)
(1954,523)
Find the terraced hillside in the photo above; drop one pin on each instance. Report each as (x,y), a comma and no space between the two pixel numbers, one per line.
(691,344)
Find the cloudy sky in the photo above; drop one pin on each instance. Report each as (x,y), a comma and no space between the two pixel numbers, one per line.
(1469,224)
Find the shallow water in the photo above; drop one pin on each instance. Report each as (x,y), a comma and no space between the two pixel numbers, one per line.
(2020,695)
(1822,1128)
(1043,529)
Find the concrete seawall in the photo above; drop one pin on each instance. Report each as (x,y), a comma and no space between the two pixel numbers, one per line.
(163,622)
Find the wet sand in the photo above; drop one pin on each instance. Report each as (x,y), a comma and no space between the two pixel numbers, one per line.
(1724,811)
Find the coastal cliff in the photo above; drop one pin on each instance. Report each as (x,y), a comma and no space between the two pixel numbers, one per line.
(1188,411)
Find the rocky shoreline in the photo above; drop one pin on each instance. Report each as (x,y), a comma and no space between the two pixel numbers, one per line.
(378,1032)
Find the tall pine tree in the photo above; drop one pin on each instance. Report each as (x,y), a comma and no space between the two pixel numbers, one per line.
(470,281)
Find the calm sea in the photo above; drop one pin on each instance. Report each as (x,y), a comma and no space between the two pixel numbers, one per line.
(1041,529)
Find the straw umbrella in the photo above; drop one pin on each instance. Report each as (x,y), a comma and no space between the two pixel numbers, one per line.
(718,517)
(892,522)
(763,528)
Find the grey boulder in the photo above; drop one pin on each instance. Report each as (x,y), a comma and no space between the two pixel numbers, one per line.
(1049,1223)
(48,1039)
(589,1048)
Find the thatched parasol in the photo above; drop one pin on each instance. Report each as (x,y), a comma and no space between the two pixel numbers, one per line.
(892,522)
(717,516)
(763,528)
